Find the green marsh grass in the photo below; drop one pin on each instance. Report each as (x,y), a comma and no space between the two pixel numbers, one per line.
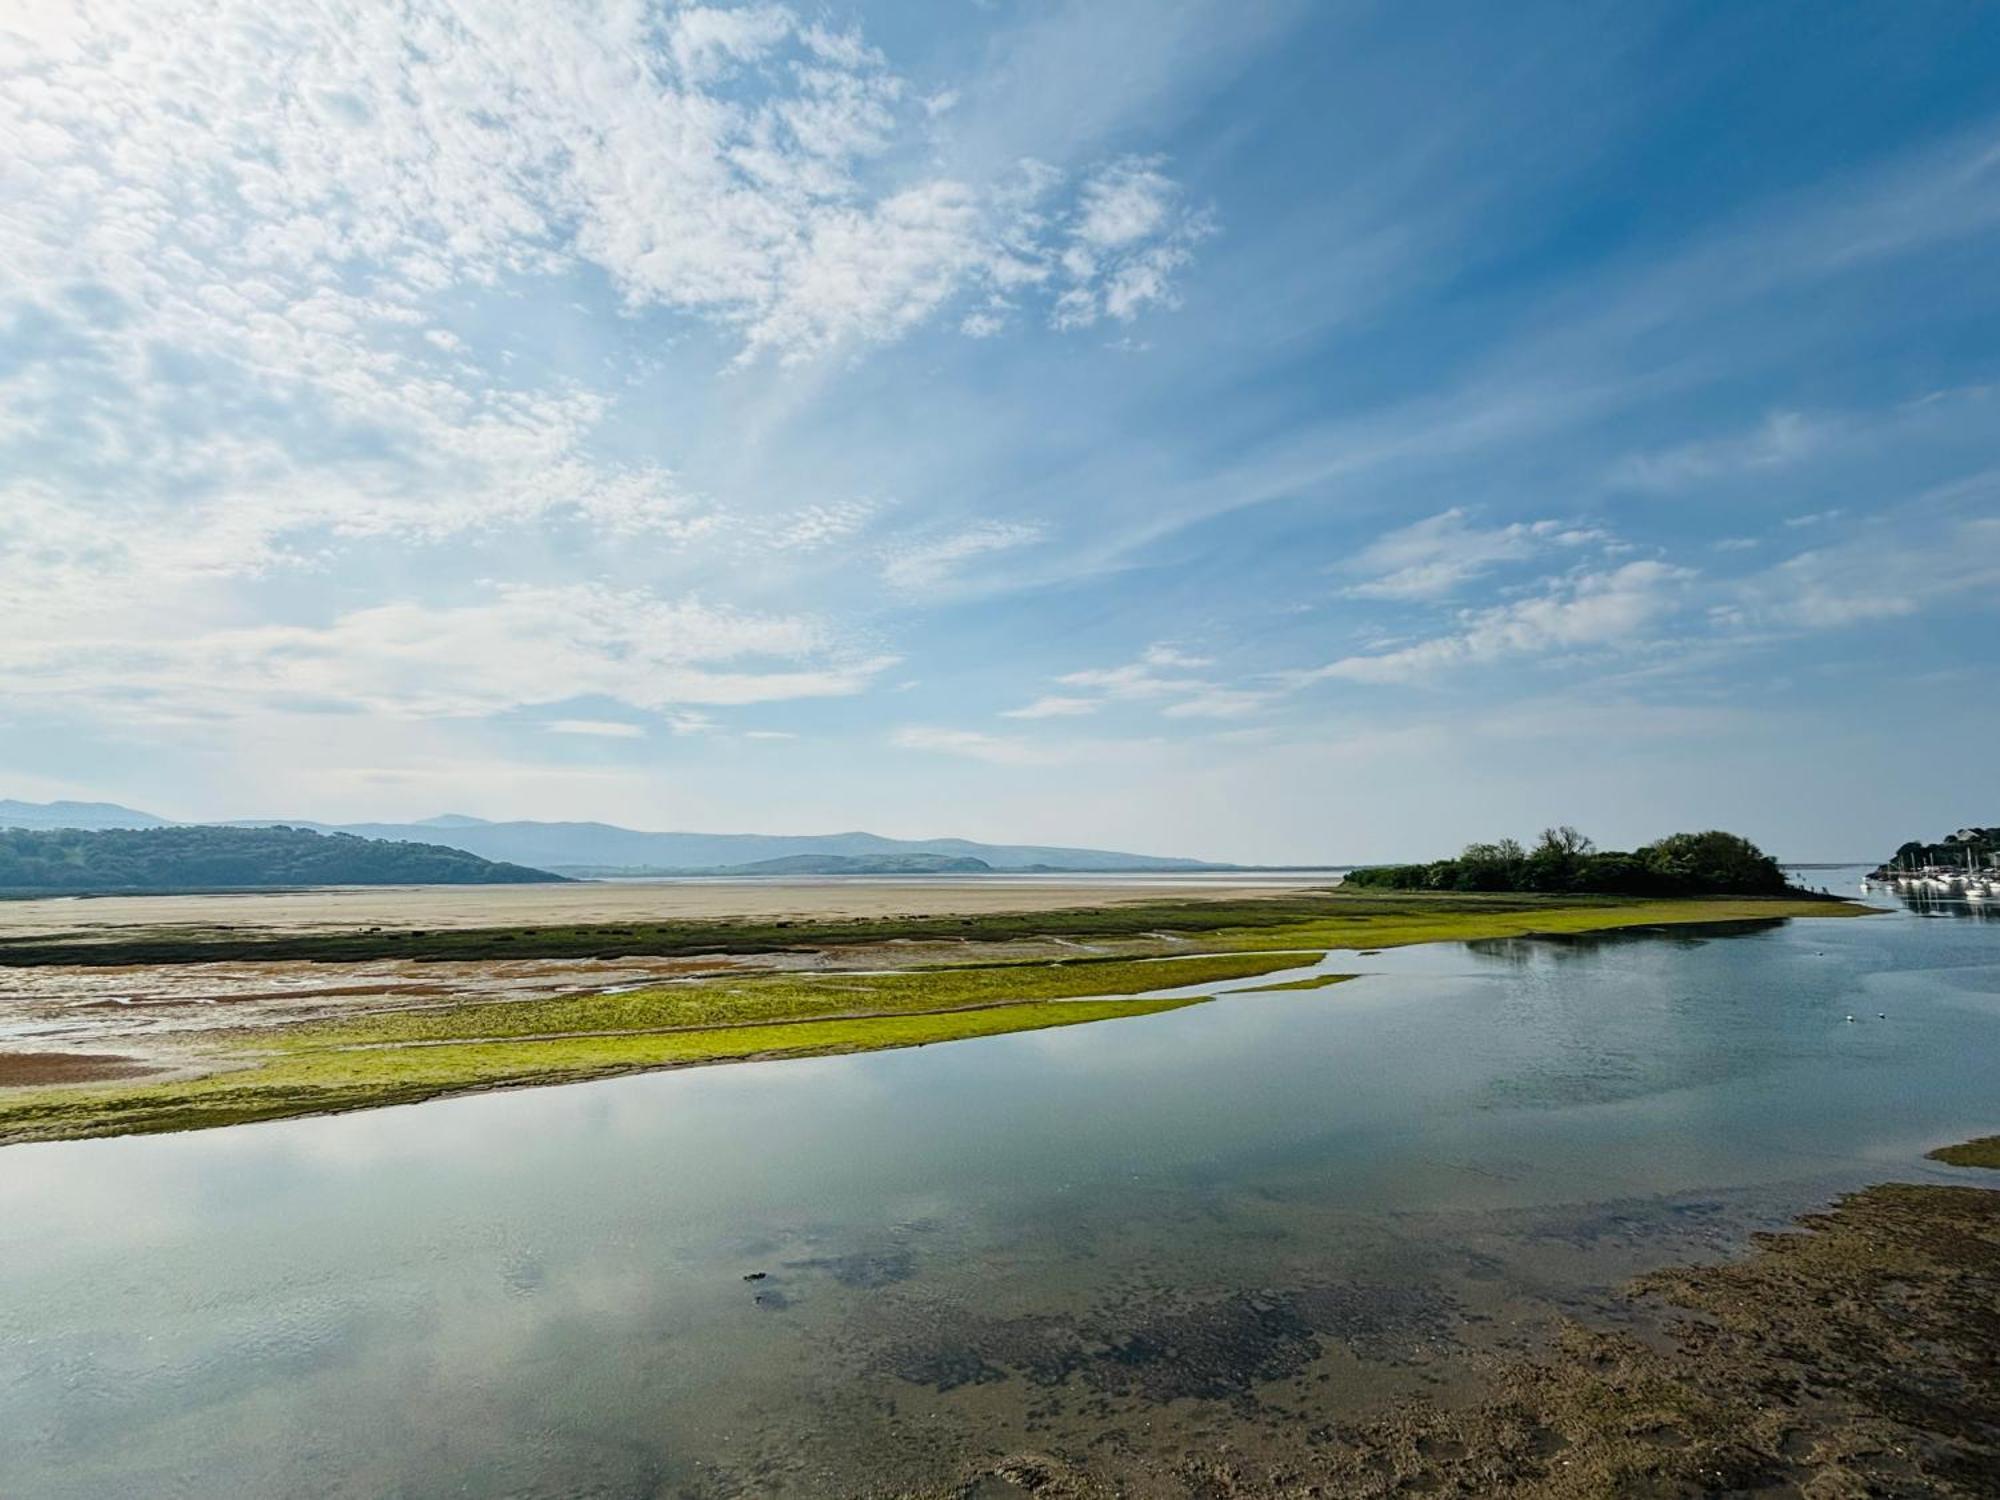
(328,1081)
(756,1000)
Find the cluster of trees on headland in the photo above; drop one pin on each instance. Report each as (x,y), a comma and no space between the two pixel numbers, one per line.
(1682,864)
(208,858)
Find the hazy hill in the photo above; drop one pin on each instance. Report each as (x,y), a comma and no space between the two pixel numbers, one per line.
(209,858)
(602,846)
(74,815)
(606,846)
(829,864)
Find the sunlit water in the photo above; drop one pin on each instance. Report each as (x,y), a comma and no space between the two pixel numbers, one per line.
(543,1292)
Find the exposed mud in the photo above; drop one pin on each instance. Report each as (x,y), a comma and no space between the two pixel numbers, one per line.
(42,1068)
(163,1014)
(1857,1357)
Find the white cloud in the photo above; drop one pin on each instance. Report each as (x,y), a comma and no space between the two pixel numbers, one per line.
(607,729)
(1127,202)
(1127,239)
(519,647)
(1887,573)
(929,562)
(1135,680)
(1163,675)
(1586,611)
(1053,707)
(241,229)
(1430,559)
(769,734)
(812,527)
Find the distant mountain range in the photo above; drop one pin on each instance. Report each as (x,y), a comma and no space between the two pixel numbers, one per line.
(88,815)
(606,849)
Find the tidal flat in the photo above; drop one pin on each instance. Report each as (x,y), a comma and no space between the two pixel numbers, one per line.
(750,986)
(1514,1215)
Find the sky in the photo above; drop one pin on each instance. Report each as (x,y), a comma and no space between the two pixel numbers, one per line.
(1257,430)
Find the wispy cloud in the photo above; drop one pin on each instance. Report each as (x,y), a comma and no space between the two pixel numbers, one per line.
(999,750)
(1883,572)
(1586,611)
(1053,707)
(813,527)
(1783,438)
(519,647)
(1165,654)
(928,562)
(1435,557)
(1218,703)
(1166,677)
(604,729)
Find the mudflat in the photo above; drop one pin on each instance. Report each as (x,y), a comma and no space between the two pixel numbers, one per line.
(345,908)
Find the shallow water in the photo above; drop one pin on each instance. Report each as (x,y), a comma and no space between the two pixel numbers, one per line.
(1220,1224)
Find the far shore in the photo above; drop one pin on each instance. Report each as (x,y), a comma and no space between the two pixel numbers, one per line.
(664,899)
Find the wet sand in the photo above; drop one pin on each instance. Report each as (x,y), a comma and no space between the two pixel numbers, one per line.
(346,908)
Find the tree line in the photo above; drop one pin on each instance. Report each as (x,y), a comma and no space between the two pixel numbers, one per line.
(209,858)
(1713,863)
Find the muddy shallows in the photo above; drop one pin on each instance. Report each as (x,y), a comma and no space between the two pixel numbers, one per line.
(1856,1356)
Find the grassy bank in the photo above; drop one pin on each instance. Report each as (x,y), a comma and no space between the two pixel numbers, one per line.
(1358,923)
(334,1080)
(1310,982)
(406,1053)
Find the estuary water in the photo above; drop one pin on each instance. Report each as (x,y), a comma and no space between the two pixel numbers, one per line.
(1167,1234)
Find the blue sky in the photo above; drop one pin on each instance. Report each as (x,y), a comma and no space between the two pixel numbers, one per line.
(1266,431)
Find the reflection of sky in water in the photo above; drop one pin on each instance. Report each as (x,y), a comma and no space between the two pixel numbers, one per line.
(543,1289)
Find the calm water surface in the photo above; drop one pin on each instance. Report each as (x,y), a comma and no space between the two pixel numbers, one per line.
(1158,1233)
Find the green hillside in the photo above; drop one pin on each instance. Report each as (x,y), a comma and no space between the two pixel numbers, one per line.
(205,858)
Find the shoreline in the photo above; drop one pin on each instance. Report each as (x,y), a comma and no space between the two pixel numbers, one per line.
(866,994)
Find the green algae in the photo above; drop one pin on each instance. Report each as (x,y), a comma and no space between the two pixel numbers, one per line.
(761,999)
(1983,1152)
